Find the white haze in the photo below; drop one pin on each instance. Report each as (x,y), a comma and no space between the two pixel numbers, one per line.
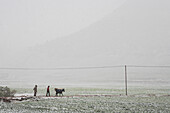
(73,34)
(28,23)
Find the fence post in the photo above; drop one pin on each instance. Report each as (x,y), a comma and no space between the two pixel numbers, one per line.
(126,80)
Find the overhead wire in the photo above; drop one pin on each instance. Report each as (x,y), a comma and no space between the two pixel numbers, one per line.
(64,68)
(89,67)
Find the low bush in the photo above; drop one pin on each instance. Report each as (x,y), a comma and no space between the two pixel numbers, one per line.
(6,92)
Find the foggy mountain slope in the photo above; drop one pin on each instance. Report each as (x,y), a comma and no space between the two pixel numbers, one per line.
(136,33)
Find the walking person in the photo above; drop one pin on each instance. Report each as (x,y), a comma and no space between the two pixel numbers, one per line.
(48,91)
(35,90)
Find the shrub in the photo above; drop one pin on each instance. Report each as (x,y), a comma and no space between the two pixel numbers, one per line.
(6,92)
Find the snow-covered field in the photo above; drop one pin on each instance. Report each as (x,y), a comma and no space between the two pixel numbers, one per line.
(101,100)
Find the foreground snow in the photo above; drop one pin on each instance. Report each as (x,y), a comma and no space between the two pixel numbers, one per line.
(94,100)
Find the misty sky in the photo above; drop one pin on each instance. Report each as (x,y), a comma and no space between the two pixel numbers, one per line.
(83,33)
(25,23)
(101,32)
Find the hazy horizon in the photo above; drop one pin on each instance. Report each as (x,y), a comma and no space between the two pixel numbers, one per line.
(56,34)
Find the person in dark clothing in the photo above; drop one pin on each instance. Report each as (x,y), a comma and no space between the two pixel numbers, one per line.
(48,91)
(35,90)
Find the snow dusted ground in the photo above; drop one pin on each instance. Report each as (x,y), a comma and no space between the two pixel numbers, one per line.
(23,94)
(144,100)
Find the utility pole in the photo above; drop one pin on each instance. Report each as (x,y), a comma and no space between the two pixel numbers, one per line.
(126,79)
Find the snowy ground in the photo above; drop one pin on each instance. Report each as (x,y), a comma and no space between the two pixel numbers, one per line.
(138,100)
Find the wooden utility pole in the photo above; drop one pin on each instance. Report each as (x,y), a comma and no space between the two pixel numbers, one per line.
(126,79)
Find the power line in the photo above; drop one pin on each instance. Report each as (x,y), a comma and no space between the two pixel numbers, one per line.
(74,68)
(149,66)
(67,68)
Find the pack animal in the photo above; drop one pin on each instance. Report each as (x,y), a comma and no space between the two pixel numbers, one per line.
(59,91)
